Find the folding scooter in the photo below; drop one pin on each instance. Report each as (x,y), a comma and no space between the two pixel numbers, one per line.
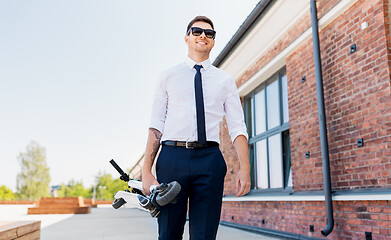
(160,196)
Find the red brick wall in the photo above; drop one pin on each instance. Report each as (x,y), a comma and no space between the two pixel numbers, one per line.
(357,95)
(357,103)
(387,28)
(352,218)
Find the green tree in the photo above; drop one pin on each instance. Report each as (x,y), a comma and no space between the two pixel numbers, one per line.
(6,193)
(107,186)
(33,179)
(74,189)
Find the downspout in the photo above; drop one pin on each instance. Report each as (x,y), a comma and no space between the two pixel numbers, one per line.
(322,123)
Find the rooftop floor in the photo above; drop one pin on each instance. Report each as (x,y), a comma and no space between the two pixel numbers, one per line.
(107,223)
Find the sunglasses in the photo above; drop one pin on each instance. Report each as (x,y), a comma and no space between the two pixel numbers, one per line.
(196,31)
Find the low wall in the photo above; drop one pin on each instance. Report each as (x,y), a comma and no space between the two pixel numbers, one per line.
(26,230)
(19,202)
(104,201)
(66,205)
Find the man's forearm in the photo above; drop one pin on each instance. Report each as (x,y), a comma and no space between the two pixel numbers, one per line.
(243,182)
(241,147)
(152,149)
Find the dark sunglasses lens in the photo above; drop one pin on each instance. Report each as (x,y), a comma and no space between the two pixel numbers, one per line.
(209,33)
(196,31)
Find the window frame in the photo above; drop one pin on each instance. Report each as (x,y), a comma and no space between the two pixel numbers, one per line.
(283,128)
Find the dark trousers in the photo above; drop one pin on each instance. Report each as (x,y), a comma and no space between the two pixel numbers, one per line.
(200,172)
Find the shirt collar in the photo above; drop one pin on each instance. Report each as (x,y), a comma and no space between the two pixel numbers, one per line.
(190,63)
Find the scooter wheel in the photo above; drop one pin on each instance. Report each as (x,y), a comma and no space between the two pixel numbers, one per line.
(168,194)
(118,203)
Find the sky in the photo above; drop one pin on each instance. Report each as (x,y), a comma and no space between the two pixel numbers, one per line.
(77,76)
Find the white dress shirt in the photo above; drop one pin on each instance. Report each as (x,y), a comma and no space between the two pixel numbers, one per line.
(174,110)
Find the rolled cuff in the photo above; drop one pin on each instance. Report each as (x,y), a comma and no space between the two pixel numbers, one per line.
(237,133)
(157,125)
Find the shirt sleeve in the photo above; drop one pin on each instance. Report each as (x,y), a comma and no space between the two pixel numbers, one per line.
(159,105)
(234,112)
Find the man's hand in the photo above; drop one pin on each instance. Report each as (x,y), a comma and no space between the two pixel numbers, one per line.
(243,183)
(148,181)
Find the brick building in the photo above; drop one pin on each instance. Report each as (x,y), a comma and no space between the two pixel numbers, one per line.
(271,59)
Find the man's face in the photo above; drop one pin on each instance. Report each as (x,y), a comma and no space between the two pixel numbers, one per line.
(201,43)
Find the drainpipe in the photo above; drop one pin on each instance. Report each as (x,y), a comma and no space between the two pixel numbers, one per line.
(322,123)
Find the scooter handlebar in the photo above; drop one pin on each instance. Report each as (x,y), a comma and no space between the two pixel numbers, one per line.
(124,176)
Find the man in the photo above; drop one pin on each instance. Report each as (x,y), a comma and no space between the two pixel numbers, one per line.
(190,102)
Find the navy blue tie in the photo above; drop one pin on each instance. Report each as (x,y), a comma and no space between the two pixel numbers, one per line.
(199,97)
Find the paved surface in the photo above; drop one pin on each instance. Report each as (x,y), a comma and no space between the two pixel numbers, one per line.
(107,223)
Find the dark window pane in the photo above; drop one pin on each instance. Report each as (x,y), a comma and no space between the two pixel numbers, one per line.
(252,165)
(287,159)
(248,116)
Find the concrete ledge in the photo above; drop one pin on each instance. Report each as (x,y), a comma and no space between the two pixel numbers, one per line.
(355,196)
(20,230)
(269,232)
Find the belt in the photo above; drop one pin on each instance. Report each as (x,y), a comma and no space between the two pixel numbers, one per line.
(189,145)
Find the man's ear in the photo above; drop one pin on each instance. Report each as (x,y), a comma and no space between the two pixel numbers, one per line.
(186,38)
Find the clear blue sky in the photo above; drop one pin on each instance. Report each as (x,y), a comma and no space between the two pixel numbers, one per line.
(77,76)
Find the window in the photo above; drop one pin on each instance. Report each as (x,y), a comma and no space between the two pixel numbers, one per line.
(267,118)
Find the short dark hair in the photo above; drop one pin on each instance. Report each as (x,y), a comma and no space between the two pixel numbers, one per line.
(199,19)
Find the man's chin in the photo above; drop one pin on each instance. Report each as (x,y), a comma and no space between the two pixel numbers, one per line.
(203,49)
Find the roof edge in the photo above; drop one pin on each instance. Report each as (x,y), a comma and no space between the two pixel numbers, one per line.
(247,24)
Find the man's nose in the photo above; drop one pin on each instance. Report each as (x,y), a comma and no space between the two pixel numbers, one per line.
(203,34)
